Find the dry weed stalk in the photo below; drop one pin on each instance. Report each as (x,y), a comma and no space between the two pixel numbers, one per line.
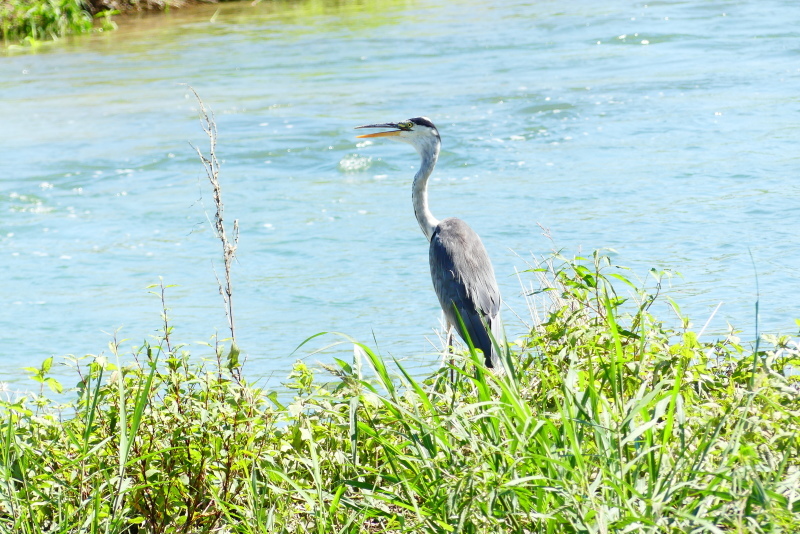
(211,165)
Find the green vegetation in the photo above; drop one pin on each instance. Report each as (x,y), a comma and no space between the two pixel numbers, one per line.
(36,22)
(605,421)
(39,20)
(32,22)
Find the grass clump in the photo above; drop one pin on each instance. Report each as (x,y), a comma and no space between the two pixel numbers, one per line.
(606,420)
(32,21)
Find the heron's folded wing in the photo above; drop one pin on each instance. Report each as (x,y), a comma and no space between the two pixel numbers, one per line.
(462,274)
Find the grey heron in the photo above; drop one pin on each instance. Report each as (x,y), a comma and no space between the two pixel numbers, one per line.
(462,272)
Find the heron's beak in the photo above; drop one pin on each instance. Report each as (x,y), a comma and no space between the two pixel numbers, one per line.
(396,131)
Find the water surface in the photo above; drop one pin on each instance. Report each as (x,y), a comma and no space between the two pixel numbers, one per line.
(665,131)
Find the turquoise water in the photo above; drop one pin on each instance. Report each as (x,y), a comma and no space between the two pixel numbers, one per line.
(667,131)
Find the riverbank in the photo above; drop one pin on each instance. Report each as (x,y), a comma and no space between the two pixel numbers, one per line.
(34,21)
(605,421)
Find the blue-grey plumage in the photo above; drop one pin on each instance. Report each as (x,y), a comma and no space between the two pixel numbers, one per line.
(462,273)
(463,279)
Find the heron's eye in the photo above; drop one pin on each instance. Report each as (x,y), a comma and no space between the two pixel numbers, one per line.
(406,125)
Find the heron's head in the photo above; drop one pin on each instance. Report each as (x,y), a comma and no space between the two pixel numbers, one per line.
(419,132)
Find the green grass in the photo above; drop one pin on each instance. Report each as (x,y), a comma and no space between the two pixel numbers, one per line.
(33,21)
(607,420)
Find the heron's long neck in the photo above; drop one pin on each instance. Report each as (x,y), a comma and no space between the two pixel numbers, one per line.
(419,194)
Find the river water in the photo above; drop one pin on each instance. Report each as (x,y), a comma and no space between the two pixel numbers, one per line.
(666,131)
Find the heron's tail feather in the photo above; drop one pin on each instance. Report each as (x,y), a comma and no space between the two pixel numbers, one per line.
(484,333)
(496,340)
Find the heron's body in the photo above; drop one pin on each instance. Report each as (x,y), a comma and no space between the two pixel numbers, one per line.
(462,273)
(463,276)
